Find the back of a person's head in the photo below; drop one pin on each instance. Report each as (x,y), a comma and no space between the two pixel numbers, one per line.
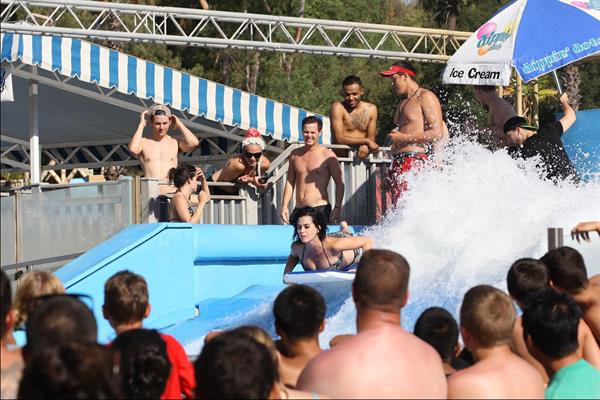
(551,320)
(6,294)
(125,298)
(261,336)
(34,284)
(567,269)
(381,280)
(234,365)
(525,277)
(437,327)
(488,315)
(71,370)
(60,319)
(299,312)
(145,364)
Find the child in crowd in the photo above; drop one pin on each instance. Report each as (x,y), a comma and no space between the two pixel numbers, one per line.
(34,284)
(550,324)
(525,278)
(299,312)
(568,273)
(145,365)
(126,304)
(437,327)
(487,317)
(12,361)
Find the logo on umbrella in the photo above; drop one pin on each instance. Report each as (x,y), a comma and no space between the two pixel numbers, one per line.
(490,40)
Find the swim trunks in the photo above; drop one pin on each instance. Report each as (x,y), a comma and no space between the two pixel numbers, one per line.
(401,164)
(324,209)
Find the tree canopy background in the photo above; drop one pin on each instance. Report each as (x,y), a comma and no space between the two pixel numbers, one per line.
(313,82)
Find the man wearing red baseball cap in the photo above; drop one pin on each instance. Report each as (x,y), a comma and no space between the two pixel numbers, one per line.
(419,125)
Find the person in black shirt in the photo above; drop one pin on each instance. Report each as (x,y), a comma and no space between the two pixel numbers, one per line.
(527,141)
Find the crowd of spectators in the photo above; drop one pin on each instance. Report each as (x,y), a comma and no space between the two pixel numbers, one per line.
(550,350)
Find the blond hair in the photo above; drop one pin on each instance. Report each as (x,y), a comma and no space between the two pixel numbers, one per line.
(34,284)
(488,315)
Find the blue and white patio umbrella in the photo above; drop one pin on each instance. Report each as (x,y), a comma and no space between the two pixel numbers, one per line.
(533,36)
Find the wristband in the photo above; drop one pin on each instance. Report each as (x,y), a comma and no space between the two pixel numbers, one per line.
(337,207)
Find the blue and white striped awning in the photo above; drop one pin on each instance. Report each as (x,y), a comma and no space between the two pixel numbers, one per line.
(131,75)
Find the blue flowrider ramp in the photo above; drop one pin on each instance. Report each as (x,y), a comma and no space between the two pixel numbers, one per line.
(200,277)
(582,143)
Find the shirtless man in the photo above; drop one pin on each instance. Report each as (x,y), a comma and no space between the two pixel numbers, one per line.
(419,124)
(249,167)
(569,274)
(310,169)
(382,360)
(487,317)
(499,111)
(158,153)
(299,312)
(353,121)
(526,277)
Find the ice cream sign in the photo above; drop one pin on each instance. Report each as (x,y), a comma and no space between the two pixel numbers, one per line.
(489,39)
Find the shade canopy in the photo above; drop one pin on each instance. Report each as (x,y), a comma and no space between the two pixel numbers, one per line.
(68,117)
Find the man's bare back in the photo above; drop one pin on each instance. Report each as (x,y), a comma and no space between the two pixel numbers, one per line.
(499,111)
(500,376)
(387,362)
(353,121)
(589,302)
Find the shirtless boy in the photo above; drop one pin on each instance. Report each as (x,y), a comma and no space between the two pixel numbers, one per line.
(499,111)
(525,278)
(568,274)
(158,153)
(382,360)
(353,121)
(487,317)
(310,169)
(299,312)
(419,124)
(248,167)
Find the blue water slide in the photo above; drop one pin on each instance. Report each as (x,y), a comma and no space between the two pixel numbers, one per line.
(200,277)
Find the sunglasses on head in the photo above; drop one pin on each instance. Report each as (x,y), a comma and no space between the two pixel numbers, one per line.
(159,112)
(256,156)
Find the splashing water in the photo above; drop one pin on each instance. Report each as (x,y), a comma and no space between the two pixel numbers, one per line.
(462,223)
(465,223)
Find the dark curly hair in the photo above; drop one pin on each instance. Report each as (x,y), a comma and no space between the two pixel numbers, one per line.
(145,365)
(318,218)
(180,175)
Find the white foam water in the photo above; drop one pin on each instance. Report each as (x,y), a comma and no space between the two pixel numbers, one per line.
(465,220)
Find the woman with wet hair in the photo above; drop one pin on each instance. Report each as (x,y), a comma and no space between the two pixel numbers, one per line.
(316,250)
(185,178)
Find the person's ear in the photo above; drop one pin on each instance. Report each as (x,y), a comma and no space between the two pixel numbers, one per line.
(457,349)
(148,309)
(405,298)
(466,338)
(275,392)
(322,327)
(105,313)
(10,319)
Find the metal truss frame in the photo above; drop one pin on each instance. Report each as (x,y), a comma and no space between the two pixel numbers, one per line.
(219,29)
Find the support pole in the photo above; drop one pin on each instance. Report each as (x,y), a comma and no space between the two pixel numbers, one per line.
(519,99)
(34,131)
(535,103)
(555,238)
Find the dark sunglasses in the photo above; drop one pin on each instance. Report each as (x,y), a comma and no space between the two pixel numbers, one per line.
(256,156)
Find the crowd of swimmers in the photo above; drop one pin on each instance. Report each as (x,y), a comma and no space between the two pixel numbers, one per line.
(551,350)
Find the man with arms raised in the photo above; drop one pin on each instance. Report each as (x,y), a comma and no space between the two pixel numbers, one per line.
(382,360)
(419,125)
(158,153)
(487,317)
(569,274)
(310,169)
(353,121)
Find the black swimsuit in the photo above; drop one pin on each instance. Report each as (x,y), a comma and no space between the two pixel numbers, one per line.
(337,265)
